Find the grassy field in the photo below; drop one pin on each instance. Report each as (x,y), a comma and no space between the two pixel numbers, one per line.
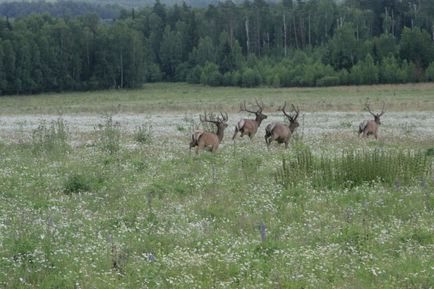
(99,190)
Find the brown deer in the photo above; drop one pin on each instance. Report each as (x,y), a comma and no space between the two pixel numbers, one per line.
(368,127)
(281,132)
(250,126)
(203,139)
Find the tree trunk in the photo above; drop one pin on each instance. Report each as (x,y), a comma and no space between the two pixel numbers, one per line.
(284,35)
(310,43)
(295,30)
(247,36)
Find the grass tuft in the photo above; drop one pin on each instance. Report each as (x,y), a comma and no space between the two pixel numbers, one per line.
(353,167)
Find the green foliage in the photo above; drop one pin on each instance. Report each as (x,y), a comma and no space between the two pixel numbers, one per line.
(331,43)
(109,135)
(78,183)
(365,72)
(416,46)
(353,168)
(51,137)
(250,78)
(210,75)
(143,134)
(429,73)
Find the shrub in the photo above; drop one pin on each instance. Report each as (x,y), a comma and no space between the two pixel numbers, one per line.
(77,183)
(328,81)
(109,135)
(210,75)
(80,183)
(353,167)
(429,73)
(51,137)
(250,78)
(143,134)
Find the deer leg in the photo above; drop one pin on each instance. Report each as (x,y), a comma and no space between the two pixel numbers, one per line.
(214,148)
(235,133)
(200,146)
(251,136)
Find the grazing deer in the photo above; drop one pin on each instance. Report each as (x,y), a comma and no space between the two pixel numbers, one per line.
(210,140)
(368,127)
(250,126)
(281,132)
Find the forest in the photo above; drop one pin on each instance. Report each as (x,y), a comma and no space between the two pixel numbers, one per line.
(256,43)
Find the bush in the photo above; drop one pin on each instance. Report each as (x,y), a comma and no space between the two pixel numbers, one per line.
(328,81)
(194,75)
(353,168)
(250,78)
(81,183)
(51,137)
(109,135)
(143,134)
(210,75)
(429,73)
(77,184)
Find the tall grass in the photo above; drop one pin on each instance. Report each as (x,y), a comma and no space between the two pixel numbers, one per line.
(109,135)
(353,167)
(50,137)
(143,134)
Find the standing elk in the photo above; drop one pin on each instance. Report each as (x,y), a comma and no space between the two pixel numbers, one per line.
(210,140)
(368,127)
(281,132)
(250,126)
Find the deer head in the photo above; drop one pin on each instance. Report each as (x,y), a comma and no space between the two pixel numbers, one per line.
(258,113)
(220,122)
(370,127)
(376,115)
(293,123)
(210,140)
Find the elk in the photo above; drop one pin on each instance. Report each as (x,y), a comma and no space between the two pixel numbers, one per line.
(281,132)
(250,126)
(368,127)
(203,139)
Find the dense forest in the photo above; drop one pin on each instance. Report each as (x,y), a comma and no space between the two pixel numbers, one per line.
(58,9)
(291,43)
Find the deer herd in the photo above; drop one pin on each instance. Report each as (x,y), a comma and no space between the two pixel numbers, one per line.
(274,131)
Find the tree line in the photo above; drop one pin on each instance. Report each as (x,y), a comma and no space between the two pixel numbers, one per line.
(291,43)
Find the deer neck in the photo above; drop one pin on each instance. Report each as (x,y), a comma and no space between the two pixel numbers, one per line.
(220,133)
(258,120)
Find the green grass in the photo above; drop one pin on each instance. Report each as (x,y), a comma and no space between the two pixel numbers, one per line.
(186,97)
(123,213)
(354,167)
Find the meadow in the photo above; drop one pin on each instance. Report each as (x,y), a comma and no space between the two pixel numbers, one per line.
(99,190)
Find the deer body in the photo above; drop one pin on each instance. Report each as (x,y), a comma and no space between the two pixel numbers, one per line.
(250,126)
(282,132)
(209,140)
(369,127)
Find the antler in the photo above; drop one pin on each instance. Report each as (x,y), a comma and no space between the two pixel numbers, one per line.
(206,119)
(284,112)
(379,114)
(244,108)
(224,117)
(260,105)
(290,117)
(297,112)
(382,110)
